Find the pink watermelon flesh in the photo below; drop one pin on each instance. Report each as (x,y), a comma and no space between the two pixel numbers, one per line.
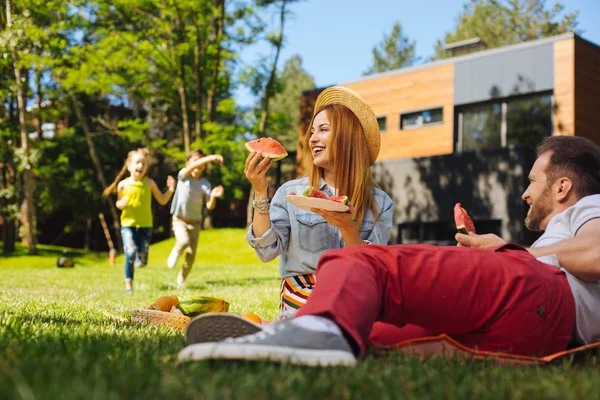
(339,199)
(313,192)
(464,223)
(268,147)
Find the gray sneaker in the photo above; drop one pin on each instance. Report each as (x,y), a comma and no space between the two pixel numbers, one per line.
(214,327)
(284,343)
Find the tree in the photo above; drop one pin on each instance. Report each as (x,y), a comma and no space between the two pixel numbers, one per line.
(503,22)
(285,116)
(20,82)
(393,52)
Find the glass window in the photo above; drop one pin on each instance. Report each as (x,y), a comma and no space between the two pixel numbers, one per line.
(382,121)
(481,126)
(421,118)
(529,120)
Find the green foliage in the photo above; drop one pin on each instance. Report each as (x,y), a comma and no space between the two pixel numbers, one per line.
(285,115)
(393,52)
(502,22)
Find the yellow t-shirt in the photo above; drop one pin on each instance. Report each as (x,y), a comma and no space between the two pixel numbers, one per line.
(138,213)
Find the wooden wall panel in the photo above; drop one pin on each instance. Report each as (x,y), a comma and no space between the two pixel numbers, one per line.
(564,87)
(587,90)
(412,91)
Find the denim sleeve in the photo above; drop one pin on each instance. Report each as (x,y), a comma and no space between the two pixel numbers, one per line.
(381,231)
(275,239)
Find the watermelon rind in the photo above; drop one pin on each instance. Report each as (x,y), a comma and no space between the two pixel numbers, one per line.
(462,229)
(273,156)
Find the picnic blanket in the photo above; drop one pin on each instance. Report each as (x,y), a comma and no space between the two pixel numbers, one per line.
(444,345)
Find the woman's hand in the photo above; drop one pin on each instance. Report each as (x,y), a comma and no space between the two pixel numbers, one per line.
(341,220)
(255,170)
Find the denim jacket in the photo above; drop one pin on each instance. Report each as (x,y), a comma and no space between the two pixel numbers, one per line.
(300,237)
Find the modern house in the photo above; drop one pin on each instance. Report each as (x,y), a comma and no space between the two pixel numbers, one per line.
(463,129)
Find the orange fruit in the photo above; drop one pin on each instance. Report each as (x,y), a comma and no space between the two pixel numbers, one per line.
(252,317)
(165,303)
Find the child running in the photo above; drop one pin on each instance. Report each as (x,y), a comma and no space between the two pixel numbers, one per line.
(187,207)
(134,198)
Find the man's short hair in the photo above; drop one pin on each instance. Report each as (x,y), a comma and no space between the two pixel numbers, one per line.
(195,153)
(576,158)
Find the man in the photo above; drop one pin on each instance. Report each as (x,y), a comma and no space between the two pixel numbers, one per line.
(487,294)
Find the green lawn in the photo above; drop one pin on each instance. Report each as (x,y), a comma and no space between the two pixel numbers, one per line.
(60,338)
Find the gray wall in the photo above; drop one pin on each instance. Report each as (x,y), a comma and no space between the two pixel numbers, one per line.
(488,183)
(520,71)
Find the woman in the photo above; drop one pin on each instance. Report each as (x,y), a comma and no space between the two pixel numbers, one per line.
(343,142)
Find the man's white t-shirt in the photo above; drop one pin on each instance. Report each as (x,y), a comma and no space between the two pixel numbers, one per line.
(587,294)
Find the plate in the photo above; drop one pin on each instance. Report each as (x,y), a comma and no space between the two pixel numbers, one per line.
(306,203)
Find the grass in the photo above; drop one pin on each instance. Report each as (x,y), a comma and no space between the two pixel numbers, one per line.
(61,338)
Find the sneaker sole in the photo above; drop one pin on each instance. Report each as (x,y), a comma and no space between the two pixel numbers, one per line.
(214,327)
(249,352)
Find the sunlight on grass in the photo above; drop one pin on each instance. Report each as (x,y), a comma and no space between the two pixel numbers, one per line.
(64,334)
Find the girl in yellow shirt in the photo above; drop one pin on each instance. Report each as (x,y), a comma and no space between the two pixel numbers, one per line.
(134,198)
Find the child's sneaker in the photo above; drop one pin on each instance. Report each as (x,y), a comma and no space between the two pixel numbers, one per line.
(128,286)
(172,260)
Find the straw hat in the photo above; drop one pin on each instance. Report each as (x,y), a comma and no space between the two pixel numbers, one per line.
(360,108)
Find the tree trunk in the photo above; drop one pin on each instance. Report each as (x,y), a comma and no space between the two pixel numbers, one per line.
(27,173)
(9,230)
(219,29)
(97,164)
(249,208)
(184,112)
(38,100)
(198,53)
(269,89)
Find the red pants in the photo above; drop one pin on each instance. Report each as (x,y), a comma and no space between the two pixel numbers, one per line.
(499,299)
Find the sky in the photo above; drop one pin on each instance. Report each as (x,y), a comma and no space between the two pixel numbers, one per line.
(335,37)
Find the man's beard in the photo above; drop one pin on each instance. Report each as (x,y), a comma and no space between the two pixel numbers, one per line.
(539,211)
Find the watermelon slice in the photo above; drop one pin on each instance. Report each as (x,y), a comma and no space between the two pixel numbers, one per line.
(464,223)
(340,199)
(313,192)
(268,148)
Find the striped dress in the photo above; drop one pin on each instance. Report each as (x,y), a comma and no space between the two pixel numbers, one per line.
(295,290)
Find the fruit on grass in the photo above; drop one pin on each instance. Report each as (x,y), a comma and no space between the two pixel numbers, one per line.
(464,223)
(252,317)
(196,305)
(268,148)
(164,303)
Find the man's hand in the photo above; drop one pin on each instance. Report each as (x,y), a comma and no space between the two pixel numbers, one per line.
(217,191)
(479,241)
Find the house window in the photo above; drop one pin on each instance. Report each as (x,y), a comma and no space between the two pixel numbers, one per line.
(524,121)
(421,118)
(382,121)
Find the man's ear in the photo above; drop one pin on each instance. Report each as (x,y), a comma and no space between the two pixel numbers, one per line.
(563,188)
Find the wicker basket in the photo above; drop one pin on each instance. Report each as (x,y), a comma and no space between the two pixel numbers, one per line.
(153,317)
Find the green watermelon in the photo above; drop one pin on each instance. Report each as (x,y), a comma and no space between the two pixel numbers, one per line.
(268,148)
(464,223)
(196,305)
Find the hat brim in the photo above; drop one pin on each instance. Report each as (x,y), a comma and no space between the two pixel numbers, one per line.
(359,107)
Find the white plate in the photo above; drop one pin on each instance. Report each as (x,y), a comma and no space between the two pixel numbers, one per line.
(306,203)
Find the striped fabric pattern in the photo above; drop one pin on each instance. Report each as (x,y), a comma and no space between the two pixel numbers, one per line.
(295,290)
